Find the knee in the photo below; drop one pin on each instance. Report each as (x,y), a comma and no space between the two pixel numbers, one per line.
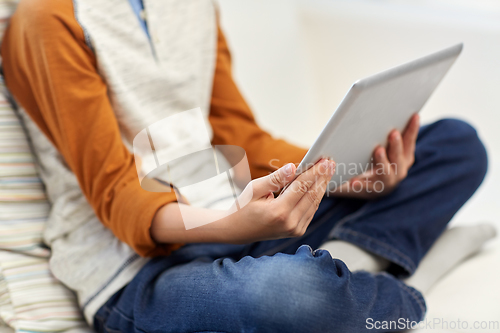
(287,291)
(456,127)
(311,292)
(461,140)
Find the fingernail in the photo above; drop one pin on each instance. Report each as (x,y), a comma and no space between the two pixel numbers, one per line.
(332,167)
(288,169)
(325,164)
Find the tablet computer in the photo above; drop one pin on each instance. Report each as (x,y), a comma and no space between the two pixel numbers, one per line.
(372,108)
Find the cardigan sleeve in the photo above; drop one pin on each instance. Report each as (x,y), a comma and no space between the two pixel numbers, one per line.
(52,73)
(233,122)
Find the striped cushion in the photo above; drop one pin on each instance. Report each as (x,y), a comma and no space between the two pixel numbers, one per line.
(31,298)
(23,205)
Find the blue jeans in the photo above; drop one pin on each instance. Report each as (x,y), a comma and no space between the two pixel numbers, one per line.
(286,286)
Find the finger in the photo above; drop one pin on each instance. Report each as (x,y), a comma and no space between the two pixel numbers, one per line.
(322,171)
(370,188)
(353,188)
(382,166)
(311,199)
(410,137)
(273,182)
(343,188)
(395,150)
(306,220)
(359,185)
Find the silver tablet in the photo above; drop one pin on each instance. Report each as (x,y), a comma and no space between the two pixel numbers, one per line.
(372,108)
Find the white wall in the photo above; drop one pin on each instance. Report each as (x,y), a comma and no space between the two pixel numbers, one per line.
(271,66)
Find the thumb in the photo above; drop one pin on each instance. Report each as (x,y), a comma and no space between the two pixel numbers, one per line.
(273,182)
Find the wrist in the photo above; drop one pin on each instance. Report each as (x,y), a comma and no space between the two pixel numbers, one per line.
(168,226)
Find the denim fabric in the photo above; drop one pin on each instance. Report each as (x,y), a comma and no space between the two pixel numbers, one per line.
(286,286)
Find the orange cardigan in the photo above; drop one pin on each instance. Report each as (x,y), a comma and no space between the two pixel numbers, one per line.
(52,73)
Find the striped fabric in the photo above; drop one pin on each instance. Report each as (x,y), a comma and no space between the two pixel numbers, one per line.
(23,204)
(31,298)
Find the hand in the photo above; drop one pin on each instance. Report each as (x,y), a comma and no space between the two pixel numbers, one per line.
(390,166)
(288,215)
(264,217)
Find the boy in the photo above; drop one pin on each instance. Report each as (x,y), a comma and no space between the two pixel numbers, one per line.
(90,74)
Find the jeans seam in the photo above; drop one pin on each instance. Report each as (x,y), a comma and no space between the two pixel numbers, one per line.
(107,309)
(400,258)
(346,219)
(99,319)
(124,316)
(415,296)
(410,291)
(111,330)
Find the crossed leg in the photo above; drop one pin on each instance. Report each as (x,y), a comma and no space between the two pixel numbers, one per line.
(282,286)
